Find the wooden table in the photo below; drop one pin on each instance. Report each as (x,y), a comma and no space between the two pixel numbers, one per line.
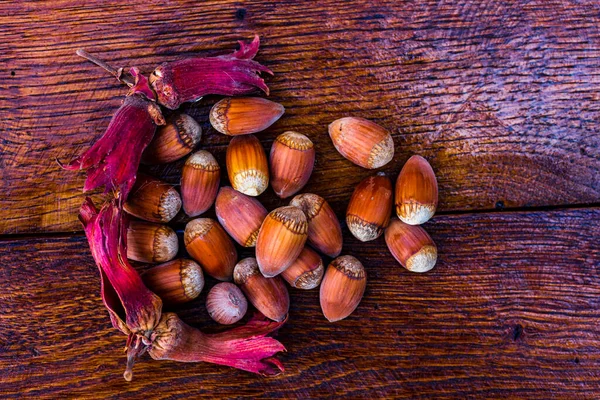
(503,98)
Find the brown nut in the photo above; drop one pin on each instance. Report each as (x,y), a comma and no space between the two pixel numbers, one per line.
(200,179)
(176,281)
(268,295)
(342,287)
(370,207)
(247,166)
(411,246)
(361,141)
(292,162)
(176,139)
(416,192)
(324,230)
(207,243)
(226,303)
(280,240)
(244,115)
(152,200)
(240,215)
(151,243)
(306,272)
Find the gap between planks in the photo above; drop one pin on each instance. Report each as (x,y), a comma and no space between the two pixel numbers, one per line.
(516,210)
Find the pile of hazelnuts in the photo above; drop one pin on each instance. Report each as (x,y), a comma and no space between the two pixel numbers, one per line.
(288,239)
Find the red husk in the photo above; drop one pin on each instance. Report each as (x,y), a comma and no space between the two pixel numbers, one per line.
(113,160)
(133,308)
(87,215)
(107,234)
(190,79)
(246,347)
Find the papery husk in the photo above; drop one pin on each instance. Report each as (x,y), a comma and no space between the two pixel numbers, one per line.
(246,347)
(113,160)
(190,79)
(133,308)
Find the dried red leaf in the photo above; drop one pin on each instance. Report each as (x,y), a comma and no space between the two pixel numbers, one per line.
(113,160)
(246,347)
(106,231)
(190,79)
(133,308)
(87,215)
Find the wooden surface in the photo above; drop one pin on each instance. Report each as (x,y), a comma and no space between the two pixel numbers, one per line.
(511,309)
(503,98)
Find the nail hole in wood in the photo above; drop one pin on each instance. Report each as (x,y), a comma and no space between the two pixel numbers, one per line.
(240,14)
(518,331)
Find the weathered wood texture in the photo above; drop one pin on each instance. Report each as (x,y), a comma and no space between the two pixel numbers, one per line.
(501,97)
(511,311)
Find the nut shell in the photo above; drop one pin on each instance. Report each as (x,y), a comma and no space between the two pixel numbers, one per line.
(247,165)
(174,140)
(240,215)
(411,246)
(208,244)
(268,295)
(151,243)
(244,115)
(342,287)
(226,303)
(416,192)
(153,200)
(281,239)
(200,179)
(292,161)
(306,271)
(361,141)
(175,282)
(324,230)
(370,207)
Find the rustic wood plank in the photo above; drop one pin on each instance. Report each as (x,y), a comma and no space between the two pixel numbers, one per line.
(501,97)
(510,311)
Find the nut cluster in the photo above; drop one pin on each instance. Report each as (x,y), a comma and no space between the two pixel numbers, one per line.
(288,239)
(416,194)
(140,133)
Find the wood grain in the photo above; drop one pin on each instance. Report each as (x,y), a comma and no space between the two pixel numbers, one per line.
(510,311)
(501,97)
